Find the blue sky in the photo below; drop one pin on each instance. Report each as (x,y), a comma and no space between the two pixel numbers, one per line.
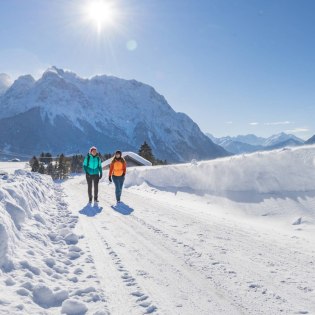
(234,66)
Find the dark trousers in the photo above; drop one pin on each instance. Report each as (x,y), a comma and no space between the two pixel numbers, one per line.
(118,181)
(92,179)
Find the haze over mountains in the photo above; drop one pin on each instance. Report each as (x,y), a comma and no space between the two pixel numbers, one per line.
(251,143)
(5,82)
(62,112)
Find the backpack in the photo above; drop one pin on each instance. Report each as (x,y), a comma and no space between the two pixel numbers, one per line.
(88,158)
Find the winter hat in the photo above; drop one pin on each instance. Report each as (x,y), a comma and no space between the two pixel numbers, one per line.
(92,148)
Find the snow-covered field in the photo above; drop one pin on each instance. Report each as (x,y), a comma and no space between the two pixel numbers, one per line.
(228,236)
(11,167)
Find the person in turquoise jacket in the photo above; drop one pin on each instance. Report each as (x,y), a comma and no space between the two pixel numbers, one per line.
(92,166)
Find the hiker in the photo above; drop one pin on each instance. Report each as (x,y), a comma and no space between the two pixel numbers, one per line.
(117,172)
(92,166)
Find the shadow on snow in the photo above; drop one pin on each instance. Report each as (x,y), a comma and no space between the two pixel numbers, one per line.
(122,208)
(91,211)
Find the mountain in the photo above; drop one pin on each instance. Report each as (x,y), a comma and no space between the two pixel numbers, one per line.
(251,143)
(62,112)
(232,145)
(5,82)
(291,142)
(310,140)
(281,137)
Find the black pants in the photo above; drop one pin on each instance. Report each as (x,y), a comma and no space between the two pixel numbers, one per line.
(92,179)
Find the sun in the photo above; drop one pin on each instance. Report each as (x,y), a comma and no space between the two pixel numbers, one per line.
(102,13)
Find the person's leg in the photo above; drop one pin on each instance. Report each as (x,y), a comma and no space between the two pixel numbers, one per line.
(116,182)
(89,182)
(96,180)
(121,183)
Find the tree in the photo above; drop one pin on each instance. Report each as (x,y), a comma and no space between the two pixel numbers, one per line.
(48,158)
(62,167)
(76,163)
(41,169)
(146,152)
(50,169)
(45,158)
(35,164)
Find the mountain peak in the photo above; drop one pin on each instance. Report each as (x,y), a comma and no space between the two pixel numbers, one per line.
(53,72)
(107,110)
(23,81)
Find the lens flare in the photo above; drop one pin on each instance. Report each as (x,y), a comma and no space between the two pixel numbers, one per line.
(102,13)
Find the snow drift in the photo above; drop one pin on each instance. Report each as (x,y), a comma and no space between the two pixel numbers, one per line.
(40,258)
(288,169)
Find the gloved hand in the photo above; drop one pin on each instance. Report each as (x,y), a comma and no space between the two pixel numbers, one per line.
(110,179)
(100,176)
(87,175)
(124,174)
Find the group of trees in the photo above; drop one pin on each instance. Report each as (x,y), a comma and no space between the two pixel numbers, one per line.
(57,167)
(61,166)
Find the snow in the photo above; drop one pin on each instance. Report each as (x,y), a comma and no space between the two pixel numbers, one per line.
(228,236)
(133,155)
(11,167)
(126,110)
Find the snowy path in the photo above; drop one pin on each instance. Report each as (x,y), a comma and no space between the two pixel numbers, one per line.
(169,254)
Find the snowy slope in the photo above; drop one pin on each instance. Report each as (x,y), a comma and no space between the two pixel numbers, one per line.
(41,266)
(311,140)
(71,112)
(229,236)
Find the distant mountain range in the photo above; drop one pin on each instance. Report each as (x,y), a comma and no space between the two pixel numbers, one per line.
(310,140)
(62,112)
(251,143)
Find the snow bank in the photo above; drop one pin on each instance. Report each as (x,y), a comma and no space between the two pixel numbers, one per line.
(39,250)
(289,169)
(21,195)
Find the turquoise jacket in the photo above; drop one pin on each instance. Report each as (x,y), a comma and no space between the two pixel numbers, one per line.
(94,167)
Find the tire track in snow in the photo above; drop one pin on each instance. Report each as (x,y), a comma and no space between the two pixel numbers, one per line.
(196,289)
(259,285)
(115,278)
(135,290)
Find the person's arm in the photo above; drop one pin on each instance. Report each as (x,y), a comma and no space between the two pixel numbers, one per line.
(100,167)
(111,168)
(85,167)
(124,168)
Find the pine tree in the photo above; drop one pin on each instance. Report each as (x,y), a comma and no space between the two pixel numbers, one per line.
(35,164)
(62,167)
(48,158)
(50,169)
(41,169)
(55,172)
(146,152)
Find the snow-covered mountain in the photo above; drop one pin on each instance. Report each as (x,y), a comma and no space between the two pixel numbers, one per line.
(62,112)
(310,140)
(5,82)
(281,137)
(251,143)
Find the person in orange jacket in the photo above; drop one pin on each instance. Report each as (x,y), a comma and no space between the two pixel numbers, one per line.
(117,172)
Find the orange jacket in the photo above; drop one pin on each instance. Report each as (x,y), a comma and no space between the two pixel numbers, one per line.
(117,167)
